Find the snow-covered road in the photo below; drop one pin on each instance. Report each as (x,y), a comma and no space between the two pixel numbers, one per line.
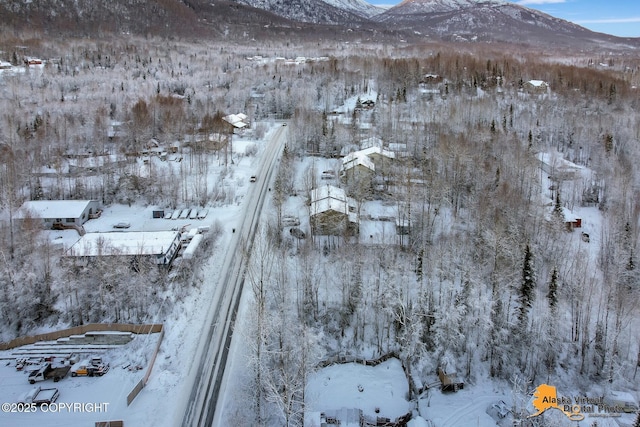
(207,373)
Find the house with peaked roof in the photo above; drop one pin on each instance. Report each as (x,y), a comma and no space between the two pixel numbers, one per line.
(60,213)
(558,168)
(367,162)
(332,212)
(379,156)
(238,121)
(357,167)
(536,86)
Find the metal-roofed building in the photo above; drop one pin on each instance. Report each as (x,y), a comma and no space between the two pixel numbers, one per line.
(161,246)
(62,212)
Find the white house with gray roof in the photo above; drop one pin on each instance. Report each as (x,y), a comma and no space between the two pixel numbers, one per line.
(63,212)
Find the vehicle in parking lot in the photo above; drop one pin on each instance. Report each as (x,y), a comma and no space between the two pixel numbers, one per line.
(47,371)
(39,396)
(90,368)
(122,225)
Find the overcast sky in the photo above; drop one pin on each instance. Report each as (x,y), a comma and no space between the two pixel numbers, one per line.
(617,17)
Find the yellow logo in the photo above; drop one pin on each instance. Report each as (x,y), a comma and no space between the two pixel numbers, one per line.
(546,397)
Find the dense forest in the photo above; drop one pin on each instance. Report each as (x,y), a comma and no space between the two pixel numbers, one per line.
(490,280)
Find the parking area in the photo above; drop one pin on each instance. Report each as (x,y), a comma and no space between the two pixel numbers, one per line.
(79,400)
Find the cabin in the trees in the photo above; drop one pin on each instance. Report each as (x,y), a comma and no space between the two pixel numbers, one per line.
(60,213)
(571,220)
(115,130)
(161,247)
(558,168)
(238,121)
(32,61)
(449,381)
(536,86)
(332,213)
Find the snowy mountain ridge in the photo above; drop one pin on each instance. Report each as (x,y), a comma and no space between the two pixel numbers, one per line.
(416,20)
(315,11)
(491,21)
(359,7)
(431,6)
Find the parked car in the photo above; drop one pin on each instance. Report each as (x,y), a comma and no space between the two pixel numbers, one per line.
(252,179)
(297,233)
(122,225)
(498,410)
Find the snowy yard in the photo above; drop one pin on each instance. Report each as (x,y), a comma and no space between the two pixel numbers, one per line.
(380,391)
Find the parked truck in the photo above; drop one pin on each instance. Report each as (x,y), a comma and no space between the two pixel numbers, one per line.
(47,371)
(90,368)
(39,396)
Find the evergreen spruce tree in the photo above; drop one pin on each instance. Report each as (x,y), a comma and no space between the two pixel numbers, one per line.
(557,208)
(527,286)
(552,295)
(419,266)
(550,339)
(636,423)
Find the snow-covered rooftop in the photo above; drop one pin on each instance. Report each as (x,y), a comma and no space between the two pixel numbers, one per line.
(330,198)
(537,83)
(52,209)
(236,120)
(557,162)
(351,161)
(363,157)
(124,243)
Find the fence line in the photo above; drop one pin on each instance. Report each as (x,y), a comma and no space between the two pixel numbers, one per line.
(79,330)
(143,382)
